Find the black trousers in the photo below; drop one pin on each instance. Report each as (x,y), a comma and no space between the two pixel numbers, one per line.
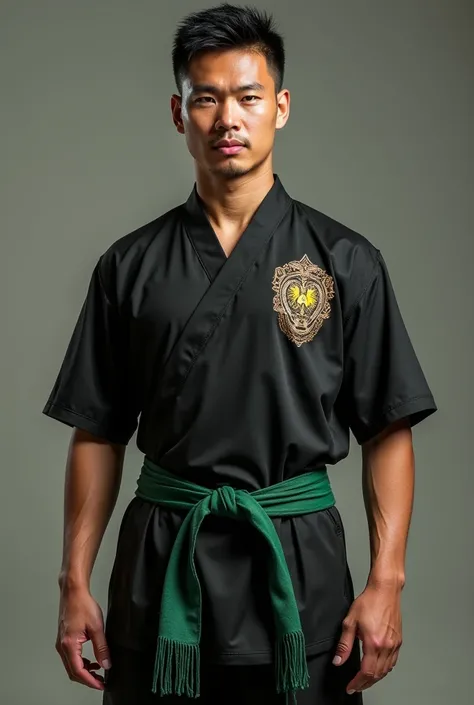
(129,682)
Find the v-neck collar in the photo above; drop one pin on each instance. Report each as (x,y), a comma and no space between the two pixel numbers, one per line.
(207,244)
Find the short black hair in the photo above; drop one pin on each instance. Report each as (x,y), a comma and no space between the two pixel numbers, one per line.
(228,27)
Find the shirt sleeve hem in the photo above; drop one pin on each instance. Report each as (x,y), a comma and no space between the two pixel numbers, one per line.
(75,419)
(415,410)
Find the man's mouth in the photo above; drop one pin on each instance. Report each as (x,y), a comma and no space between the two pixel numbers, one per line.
(235,149)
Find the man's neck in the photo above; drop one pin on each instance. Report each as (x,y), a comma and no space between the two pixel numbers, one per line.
(231,203)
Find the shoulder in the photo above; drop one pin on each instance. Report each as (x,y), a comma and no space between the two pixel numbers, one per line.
(337,238)
(353,259)
(136,243)
(122,261)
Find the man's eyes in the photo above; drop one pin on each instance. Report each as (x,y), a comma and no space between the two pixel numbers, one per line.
(207,98)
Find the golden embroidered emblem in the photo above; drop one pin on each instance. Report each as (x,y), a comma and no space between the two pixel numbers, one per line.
(303,291)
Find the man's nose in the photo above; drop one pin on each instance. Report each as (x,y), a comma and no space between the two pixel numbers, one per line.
(228,118)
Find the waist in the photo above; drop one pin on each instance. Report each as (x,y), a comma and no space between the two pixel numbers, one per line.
(309,492)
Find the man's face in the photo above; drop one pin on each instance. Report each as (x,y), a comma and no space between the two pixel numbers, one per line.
(230,95)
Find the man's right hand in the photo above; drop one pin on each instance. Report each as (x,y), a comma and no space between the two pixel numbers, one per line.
(81,620)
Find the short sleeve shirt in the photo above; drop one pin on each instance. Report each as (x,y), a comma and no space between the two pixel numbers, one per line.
(246,369)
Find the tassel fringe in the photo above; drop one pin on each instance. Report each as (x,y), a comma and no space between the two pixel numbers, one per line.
(291,667)
(177,668)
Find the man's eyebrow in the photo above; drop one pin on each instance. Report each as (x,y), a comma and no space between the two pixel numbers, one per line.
(214,90)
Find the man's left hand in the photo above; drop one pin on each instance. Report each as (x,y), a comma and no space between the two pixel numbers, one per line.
(375,619)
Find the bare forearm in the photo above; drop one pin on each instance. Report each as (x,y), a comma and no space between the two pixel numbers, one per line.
(93,476)
(388,487)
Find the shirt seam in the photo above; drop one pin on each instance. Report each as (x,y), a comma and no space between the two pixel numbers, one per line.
(117,310)
(101,282)
(372,278)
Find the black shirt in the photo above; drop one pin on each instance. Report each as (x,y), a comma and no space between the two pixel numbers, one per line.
(245,369)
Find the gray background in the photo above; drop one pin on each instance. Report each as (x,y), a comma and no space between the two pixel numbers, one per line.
(378,138)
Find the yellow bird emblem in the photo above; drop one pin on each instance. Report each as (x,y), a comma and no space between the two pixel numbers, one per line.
(300,298)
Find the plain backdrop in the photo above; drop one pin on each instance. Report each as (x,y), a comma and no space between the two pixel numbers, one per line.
(380,138)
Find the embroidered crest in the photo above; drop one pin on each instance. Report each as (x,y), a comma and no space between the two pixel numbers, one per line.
(303,291)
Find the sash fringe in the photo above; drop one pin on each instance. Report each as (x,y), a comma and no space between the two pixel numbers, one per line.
(177,668)
(291,667)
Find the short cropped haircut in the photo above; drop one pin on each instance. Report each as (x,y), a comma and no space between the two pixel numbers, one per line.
(228,27)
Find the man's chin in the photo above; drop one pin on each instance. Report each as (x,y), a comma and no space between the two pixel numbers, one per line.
(230,169)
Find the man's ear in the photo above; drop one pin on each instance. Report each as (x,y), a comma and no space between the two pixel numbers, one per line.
(283,107)
(177,113)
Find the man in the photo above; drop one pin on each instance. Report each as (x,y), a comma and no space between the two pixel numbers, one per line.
(244,334)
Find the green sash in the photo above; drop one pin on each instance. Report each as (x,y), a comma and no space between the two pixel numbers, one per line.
(177,663)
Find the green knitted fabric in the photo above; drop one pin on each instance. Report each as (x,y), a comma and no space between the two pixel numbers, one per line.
(177,663)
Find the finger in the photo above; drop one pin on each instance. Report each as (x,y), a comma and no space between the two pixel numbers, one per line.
(366,675)
(363,686)
(381,670)
(63,659)
(395,657)
(72,650)
(391,661)
(387,660)
(384,666)
(101,649)
(346,642)
(67,665)
(68,669)
(384,663)
(82,675)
